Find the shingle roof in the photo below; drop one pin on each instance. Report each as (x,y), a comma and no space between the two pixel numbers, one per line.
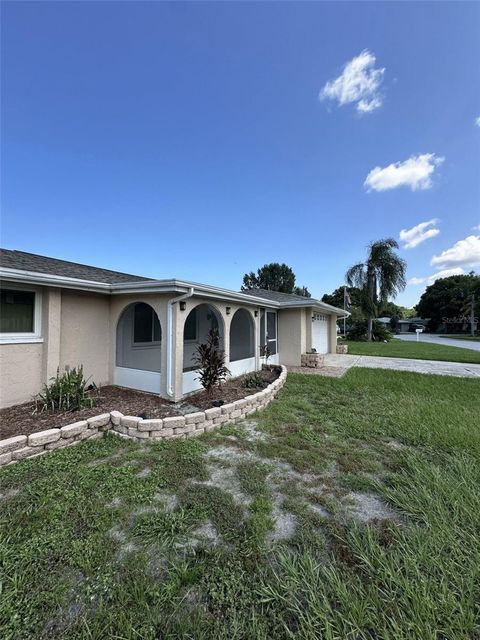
(278,296)
(12,259)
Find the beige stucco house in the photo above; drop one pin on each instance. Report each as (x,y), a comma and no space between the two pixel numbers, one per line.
(140,333)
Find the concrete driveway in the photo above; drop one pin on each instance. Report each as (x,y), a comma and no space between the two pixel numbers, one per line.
(341,363)
(430,337)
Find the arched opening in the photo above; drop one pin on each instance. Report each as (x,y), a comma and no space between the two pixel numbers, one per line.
(138,348)
(242,343)
(197,325)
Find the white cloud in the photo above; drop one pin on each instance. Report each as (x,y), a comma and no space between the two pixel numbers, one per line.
(476,228)
(417,234)
(359,82)
(445,273)
(477,121)
(416,173)
(464,253)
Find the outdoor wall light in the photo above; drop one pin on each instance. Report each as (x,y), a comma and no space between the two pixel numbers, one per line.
(183,305)
(228,309)
(256,313)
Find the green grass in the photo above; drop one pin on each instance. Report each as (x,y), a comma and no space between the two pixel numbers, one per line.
(74,563)
(422,350)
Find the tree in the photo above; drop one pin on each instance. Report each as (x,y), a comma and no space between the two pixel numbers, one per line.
(274,277)
(336,298)
(380,277)
(391,310)
(450,298)
(302,291)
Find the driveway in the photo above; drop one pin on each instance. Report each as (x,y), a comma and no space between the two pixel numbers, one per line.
(450,342)
(341,363)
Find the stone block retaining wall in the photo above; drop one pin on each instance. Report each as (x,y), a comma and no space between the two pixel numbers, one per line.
(192,424)
(312,360)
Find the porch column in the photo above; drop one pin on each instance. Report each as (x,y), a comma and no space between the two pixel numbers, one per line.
(332,334)
(227,321)
(308,329)
(177,355)
(51,323)
(161,311)
(256,325)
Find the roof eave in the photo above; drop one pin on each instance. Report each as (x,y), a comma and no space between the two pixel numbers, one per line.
(315,304)
(155,286)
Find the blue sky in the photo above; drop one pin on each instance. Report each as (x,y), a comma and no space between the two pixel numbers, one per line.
(191,140)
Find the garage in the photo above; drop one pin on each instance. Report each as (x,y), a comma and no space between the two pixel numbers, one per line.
(320,333)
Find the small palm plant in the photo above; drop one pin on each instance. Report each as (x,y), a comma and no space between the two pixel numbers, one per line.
(68,391)
(209,361)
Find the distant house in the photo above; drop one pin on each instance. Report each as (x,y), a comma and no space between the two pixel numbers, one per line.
(140,333)
(405,325)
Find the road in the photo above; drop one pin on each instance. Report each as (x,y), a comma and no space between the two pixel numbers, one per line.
(432,338)
(336,365)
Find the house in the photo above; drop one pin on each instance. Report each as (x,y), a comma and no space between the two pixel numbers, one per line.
(405,325)
(140,333)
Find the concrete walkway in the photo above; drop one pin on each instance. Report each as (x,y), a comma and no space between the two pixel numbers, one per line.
(434,339)
(336,365)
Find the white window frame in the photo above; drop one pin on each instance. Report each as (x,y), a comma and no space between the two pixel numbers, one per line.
(27,336)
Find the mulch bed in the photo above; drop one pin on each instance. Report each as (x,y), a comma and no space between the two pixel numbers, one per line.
(20,419)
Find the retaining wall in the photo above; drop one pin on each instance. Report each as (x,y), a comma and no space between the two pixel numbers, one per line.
(192,424)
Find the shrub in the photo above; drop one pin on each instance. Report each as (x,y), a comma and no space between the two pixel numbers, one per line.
(68,391)
(358,332)
(265,352)
(209,360)
(253,381)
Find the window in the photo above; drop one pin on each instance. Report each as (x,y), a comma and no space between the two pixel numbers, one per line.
(190,330)
(19,315)
(146,326)
(268,331)
(272,332)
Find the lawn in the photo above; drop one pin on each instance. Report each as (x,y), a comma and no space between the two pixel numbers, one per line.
(403,349)
(349,508)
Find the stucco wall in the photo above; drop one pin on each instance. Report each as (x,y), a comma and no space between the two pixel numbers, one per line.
(291,336)
(84,334)
(20,372)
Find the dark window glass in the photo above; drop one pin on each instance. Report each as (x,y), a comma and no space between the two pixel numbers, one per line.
(272,325)
(17,311)
(213,321)
(146,326)
(190,330)
(157,331)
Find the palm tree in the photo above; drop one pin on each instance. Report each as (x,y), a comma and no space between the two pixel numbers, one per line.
(380,277)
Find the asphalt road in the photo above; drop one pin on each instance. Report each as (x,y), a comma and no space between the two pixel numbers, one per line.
(429,337)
